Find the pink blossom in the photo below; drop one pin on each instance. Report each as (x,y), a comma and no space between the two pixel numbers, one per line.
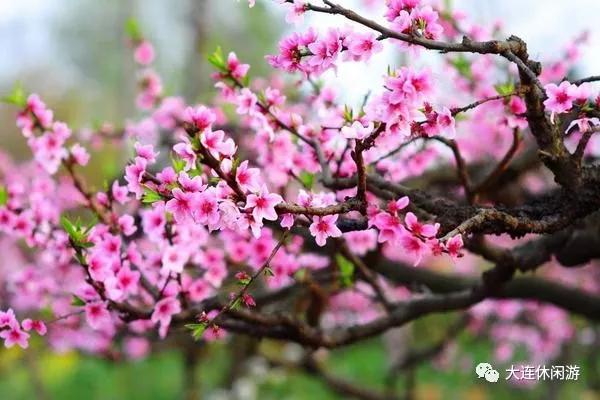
(454,246)
(418,229)
(14,335)
(361,46)
(246,101)
(324,227)
(97,316)
(389,227)
(560,98)
(296,13)
(36,325)
(207,208)
(357,130)
(247,178)
(263,204)
(146,151)
(445,120)
(235,68)
(174,259)
(201,117)
(188,184)
(413,245)
(127,225)
(119,193)
(127,280)
(187,154)
(182,205)
(248,300)
(144,53)
(7,318)
(80,154)
(163,311)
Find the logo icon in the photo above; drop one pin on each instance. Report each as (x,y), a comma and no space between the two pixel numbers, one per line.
(485,370)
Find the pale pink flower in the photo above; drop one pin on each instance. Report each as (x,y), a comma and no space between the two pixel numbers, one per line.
(36,325)
(357,130)
(248,178)
(14,335)
(97,316)
(560,98)
(263,204)
(163,312)
(174,259)
(80,154)
(324,227)
(144,53)
(418,229)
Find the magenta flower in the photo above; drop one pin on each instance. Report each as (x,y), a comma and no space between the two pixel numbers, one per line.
(560,98)
(187,154)
(413,245)
(201,117)
(324,227)
(97,316)
(357,130)
(163,311)
(206,207)
(418,229)
(235,67)
(36,325)
(454,246)
(14,335)
(7,318)
(263,204)
(182,205)
(247,178)
(174,259)
(144,53)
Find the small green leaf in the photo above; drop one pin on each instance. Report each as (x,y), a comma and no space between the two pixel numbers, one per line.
(132,29)
(178,164)
(217,60)
(3,196)
(268,272)
(236,304)
(505,89)
(346,270)
(17,96)
(348,114)
(307,179)
(197,330)
(77,301)
(150,196)
(70,228)
(463,66)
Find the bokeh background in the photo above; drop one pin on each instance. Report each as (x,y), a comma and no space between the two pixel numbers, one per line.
(74,54)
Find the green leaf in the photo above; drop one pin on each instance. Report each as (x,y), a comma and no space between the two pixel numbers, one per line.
(17,96)
(307,179)
(217,60)
(150,196)
(77,301)
(346,270)
(505,89)
(132,29)
(69,227)
(268,272)
(463,66)
(3,196)
(348,114)
(178,164)
(197,330)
